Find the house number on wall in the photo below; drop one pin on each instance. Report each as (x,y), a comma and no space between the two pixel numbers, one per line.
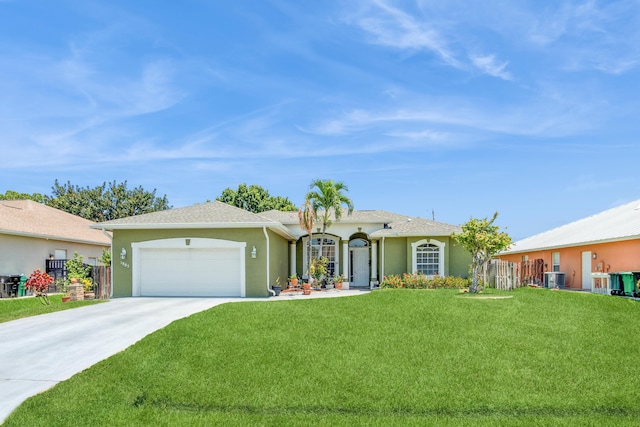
(124,264)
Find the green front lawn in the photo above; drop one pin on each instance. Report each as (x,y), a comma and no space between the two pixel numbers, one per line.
(392,357)
(17,308)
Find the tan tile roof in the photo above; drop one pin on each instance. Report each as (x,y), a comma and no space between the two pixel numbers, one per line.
(29,218)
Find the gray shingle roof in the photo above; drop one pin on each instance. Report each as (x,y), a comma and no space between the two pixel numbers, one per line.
(399,225)
(619,223)
(220,215)
(29,218)
(363,216)
(206,215)
(416,226)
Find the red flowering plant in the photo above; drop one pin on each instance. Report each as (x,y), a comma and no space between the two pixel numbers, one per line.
(38,282)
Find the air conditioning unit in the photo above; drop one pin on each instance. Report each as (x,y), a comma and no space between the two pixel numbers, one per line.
(553,279)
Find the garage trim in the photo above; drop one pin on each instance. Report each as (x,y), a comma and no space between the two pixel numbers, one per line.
(182,243)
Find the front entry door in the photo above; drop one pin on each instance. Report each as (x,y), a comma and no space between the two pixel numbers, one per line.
(586,270)
(359,267)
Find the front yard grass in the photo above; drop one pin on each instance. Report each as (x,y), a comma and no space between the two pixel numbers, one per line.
(392,357)
(17,308)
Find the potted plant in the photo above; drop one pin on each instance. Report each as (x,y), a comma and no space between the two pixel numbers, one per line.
(306,288)
(87,285)
(76,272)
(340,282)
(318,269)
(60,285)
(277,288)
(329,283)
(293,281)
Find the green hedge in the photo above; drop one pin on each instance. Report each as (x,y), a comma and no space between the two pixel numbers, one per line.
(421,281)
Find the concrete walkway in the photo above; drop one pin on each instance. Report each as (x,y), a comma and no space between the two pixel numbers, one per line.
(38,352)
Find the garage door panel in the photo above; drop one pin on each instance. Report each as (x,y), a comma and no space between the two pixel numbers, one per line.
(190,272)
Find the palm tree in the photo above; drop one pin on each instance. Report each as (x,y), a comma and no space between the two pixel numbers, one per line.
(307,219)
(328,197)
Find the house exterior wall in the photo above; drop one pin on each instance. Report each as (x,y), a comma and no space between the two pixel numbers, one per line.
(395,256)
(611,257)
(458,259)
(398,256)
(22,254)
(256,269)
(278,259)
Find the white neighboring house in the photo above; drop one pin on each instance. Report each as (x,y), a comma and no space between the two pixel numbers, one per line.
(32,233)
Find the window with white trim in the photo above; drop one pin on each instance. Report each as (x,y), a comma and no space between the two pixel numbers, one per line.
(428,259)
(328,251)
(555,261)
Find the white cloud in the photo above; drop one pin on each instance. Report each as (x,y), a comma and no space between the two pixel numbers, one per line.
(488,65)
(390,26)
(590,35)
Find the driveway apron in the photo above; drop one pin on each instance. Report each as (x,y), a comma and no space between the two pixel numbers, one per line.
(40,351)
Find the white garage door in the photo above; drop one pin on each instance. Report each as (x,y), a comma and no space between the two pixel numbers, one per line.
(198,272)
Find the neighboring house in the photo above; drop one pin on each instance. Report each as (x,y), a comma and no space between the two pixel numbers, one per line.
(214,249)
(607,242)
(32,233)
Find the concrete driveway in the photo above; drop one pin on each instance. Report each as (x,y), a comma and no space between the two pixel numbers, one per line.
(38,352)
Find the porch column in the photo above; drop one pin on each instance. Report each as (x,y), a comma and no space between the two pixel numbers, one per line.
(292,258)
(374,260)
(344,268)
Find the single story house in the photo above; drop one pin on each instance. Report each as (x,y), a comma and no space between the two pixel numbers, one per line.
(606,242)
(214,249)
(32,233)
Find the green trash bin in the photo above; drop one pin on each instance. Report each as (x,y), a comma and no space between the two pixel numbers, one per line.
(21,289)
(628,283)
(623,283)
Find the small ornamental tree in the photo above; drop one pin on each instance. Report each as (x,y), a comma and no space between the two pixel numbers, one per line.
(38,282)
(76,268)
(483,240)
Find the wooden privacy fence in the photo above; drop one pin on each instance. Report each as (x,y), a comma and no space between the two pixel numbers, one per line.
(503,275)
(532,272)
(102,281)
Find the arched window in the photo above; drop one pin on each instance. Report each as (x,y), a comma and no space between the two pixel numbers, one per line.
(428,257)
(328,250)
(358,243)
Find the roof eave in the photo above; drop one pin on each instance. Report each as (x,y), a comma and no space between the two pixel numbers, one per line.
(54,237)
(276,227)
(571,245)
(410,234)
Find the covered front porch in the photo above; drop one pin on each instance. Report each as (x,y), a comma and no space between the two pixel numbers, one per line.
(354,256)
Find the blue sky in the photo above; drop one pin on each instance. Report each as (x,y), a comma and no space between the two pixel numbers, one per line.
(461,108)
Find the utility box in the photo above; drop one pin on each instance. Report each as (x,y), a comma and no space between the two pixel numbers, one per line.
(553,279)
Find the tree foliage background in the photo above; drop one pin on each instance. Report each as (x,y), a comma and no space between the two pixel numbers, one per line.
(14,195)
(104,202)
(255,199)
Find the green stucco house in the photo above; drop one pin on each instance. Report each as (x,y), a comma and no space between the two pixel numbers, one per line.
(217,250)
